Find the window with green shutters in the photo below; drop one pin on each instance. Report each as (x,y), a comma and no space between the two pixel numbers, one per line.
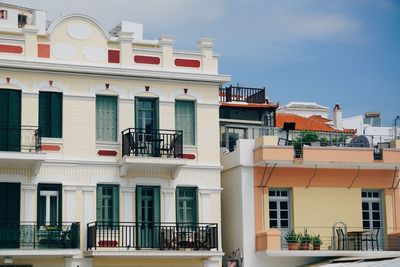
(10,120)
(50,114)
(186,205)
(106,118)
(107,207)
(185,120)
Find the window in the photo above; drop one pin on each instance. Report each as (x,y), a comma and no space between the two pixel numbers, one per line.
(107,203)
(185,120)
(3,14)
(10,120)
(50,114)
(279,210)
(49,204)
(186,205)
(106,118)
(22,20)
(146,113)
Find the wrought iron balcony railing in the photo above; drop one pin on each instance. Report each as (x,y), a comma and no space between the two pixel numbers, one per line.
(160,236)
(20,138)
(28,235)
(242,94)
(152,143)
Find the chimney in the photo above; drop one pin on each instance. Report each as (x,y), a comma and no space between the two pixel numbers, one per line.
(337,117)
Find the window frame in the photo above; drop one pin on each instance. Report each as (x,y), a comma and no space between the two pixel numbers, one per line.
(48,114)
(57,190)
(194,122)
(115,203)
(196,206)
(112,140)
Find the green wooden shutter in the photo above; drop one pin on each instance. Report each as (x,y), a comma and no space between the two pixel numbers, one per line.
(3,206)
(43,110)
(156,118)
(99,198)
(115,201)
(14,120)
(3,120)
(139,204)
(156,195)
(186,194)
(185,120)
(56,115)
(59,189)
(106,118)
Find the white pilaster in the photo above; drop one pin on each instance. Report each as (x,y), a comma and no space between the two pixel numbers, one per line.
(205,197)
(29,200)
(129,204)
(70,196)
(89,205)
(169,205)
(166,43)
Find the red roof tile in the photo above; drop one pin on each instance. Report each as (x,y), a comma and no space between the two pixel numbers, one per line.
(313,123)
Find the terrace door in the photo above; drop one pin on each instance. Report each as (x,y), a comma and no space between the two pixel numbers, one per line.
(148,216)
(279,210)
(146,124)
(10,120)
(372,214)
(9,215)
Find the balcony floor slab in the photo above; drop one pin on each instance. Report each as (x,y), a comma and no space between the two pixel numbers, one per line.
(149,253)
(327,253)
(170,165)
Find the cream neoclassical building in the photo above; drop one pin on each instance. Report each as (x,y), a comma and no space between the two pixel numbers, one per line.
(109,150)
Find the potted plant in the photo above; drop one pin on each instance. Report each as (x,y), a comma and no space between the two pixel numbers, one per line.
(292,239)
(316,242)
(305,240)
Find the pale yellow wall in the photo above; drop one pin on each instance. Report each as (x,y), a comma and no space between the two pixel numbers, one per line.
(322,207)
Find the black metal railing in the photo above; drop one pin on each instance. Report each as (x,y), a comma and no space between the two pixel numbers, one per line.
(152,143)
(20,138)
(242,94)
(160,236)
(28,235)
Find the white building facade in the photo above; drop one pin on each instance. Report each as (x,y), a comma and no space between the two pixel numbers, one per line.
(109,145)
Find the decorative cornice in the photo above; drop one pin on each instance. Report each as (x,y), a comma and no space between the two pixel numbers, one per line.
(112,71)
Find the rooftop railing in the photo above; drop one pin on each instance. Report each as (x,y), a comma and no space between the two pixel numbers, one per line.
(242,94)
(150,235)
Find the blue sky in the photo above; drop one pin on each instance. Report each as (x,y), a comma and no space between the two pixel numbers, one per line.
(331,51)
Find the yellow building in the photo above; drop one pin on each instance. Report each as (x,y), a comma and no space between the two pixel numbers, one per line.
(108,145)
(328,185)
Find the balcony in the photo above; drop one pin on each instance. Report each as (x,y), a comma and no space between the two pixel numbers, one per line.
(166,238)
(335,242)
(242,95)
(155,150)
(29,236)
(20,147)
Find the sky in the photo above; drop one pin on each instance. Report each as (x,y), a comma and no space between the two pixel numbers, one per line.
(324,51)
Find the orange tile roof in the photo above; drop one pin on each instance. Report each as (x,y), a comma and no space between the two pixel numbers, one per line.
(313,123)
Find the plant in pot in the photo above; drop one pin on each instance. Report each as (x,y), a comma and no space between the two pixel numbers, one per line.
(305,240)
(316,242)
(292,239)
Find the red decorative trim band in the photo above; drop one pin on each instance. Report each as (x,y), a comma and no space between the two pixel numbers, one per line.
(51,147)
(188,156)
(113,56)
(111,153)
(146,60)
(43,50)
(16,49)
(190,63)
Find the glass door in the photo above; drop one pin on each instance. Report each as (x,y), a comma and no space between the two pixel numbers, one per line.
(279,210)
(148,216)
(372,215)
(10,120)
(146,124)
